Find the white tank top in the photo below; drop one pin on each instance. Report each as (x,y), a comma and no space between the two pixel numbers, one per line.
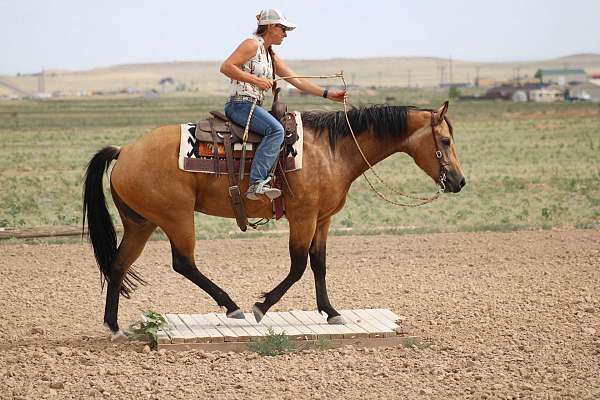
(259,65)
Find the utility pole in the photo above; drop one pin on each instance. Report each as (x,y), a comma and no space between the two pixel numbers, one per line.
(442,73)
(477,77)
(450,69)
(41,82)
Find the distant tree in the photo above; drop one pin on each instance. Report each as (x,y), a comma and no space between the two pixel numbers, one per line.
(454,93)
(539,75)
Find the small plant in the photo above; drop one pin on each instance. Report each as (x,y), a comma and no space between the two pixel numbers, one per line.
(412,342)
(323,343)
(148,327)
(273,344)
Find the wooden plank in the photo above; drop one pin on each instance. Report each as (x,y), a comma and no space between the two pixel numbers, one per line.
(173,332)
(363,323)
(201,335)
(332,343)
(384,319)
(306,331)
(234,325)
(274,325)
(380,328)
(389,314)
(228,334)
(250,326)
(292,331)
(355,330)
(307,321)
(184,331)
(263,330)
(317,327)
(215,335)
(334,331)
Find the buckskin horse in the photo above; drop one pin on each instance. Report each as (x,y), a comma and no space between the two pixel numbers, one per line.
(149,191)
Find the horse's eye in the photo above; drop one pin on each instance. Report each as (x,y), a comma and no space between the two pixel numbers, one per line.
(446,141)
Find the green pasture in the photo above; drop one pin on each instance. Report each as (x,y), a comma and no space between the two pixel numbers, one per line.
(528,166)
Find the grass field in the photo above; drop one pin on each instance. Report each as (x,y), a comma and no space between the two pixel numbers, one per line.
(528,166)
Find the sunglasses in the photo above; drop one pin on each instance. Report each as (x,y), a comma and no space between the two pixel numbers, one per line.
(284,28)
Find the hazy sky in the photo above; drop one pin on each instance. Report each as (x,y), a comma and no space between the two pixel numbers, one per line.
(80,34)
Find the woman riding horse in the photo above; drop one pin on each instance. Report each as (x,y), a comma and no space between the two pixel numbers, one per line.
(149,191)
(252,68)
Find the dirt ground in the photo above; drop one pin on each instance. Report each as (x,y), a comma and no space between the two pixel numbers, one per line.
(501,315)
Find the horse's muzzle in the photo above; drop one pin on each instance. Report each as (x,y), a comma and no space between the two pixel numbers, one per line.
(454,182)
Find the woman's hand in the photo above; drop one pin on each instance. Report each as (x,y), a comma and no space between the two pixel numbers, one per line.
(337,95)
(263,83)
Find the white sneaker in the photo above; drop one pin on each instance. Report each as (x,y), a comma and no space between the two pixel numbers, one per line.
(260,188)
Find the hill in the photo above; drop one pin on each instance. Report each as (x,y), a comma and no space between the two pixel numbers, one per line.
(204,77)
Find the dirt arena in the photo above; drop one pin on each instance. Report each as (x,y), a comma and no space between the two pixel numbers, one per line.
(500,315)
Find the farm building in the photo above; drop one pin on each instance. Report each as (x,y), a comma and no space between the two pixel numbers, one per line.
(561,77)
(585,92)
(546,95)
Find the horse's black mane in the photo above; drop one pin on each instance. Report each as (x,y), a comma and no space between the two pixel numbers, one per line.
(385,120)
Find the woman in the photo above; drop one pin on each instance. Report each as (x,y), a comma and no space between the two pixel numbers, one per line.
(252,68)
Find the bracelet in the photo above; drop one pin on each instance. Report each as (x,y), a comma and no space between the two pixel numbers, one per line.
(325,92)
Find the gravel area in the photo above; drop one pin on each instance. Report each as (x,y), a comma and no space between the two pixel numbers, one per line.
(500,315)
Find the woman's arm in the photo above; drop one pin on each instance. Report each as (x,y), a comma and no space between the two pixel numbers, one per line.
(232,66)
(282,70)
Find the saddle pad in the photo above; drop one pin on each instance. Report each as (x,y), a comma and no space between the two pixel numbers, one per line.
(196,157)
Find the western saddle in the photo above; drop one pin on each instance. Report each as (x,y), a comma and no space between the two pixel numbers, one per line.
(219,130)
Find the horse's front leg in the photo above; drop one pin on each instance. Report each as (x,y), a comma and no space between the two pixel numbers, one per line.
(318,250)
(301,234)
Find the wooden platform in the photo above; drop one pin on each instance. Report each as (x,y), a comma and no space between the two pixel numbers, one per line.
(214,331)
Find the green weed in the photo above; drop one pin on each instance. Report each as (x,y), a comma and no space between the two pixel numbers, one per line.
(415,343)
(148,327)
(273,344)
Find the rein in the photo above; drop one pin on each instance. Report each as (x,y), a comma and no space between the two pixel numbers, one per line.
(421,200)
(439,155)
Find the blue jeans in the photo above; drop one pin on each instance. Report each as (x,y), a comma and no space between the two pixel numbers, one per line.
(264,124)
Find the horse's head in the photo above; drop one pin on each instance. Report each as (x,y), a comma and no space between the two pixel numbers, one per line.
(434,152)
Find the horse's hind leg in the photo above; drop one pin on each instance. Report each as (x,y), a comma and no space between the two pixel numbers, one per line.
(317,264)
(136,232)
(180,232)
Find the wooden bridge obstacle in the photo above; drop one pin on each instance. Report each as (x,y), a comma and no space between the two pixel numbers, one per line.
(214,331)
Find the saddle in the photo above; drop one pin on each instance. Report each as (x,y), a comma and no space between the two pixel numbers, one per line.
(217,130)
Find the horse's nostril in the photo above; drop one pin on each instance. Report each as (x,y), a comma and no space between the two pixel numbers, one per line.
(462,182)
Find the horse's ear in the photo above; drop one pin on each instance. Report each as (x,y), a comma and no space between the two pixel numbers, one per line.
(439,114)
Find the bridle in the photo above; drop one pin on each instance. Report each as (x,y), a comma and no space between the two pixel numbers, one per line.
(442,159)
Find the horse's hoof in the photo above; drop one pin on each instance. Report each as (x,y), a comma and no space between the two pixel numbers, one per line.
(337,320)
(237,314)
(118,337)
(258,314)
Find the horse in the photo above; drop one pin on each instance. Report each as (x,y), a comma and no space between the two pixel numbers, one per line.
(150,191)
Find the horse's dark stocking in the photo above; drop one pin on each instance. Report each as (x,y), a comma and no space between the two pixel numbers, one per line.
(300,236)
(135,237)
(299,258)
(186,267)
(318,250)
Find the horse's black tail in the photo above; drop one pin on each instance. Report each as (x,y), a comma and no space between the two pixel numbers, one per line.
(101,231)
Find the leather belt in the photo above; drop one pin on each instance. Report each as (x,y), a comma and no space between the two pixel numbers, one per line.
(241,97)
